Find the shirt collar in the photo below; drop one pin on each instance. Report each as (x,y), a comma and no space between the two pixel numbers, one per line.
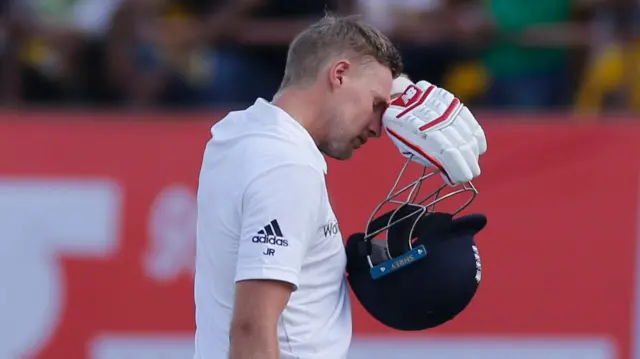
(306,139)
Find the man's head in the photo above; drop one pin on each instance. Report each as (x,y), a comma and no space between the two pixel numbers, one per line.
(351,65)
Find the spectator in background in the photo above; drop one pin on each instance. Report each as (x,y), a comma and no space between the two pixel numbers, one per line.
(153,54)
(527,58)
(259,44)
(10,38)
(202,53)
(612,75)
(423,30)
(162,52)
(56,35)
(630,13)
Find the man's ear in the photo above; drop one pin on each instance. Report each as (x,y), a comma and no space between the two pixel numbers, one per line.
(338,72)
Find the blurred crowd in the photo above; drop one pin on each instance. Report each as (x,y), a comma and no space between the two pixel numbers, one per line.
(538,55)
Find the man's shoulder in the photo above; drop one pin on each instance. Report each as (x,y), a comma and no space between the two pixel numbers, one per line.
(257,155)
(257,146)
(265,156)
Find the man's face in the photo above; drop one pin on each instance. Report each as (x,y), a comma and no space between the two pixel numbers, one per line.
(355,108)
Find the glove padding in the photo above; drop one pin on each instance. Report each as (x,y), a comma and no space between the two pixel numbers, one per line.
(432,127)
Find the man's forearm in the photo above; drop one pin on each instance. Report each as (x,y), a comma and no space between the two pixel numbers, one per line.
(251,342)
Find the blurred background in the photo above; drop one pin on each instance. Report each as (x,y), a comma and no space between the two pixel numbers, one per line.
(573,55)
(105,107)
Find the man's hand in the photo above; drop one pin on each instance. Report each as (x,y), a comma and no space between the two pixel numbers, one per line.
(431,126)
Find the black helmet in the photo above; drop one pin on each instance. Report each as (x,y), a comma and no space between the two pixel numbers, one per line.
(427,269)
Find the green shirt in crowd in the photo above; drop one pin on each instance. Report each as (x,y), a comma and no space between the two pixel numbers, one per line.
(512,16)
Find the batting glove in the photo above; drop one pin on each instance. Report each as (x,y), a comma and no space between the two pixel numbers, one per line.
(432,127)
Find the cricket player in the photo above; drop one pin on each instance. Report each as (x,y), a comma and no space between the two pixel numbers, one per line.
(270,269)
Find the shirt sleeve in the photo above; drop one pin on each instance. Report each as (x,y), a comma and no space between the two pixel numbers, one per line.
(280,212)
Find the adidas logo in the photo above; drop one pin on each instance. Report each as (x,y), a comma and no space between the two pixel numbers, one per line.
(271,234)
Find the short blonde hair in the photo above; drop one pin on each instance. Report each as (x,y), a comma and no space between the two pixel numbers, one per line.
(337,36)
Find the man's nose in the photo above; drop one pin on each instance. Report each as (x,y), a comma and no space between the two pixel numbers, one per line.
(375,128)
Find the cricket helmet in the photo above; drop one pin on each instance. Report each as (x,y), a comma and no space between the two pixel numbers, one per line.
(415,268)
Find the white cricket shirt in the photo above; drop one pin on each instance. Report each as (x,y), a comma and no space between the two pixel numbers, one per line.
(264,213)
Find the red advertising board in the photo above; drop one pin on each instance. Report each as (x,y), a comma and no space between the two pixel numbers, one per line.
(97,214)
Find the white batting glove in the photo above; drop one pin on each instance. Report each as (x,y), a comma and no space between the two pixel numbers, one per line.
(431,126)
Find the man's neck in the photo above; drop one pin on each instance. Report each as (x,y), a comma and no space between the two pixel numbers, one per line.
(302,104)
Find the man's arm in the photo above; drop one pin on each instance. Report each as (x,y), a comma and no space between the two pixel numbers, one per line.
(257,308)
(279,218)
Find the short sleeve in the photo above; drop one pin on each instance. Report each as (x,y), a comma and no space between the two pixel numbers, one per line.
(280,213)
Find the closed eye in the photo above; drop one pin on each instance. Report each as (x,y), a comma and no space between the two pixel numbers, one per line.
(379,106)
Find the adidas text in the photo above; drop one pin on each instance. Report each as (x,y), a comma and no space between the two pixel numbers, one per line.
(270,239)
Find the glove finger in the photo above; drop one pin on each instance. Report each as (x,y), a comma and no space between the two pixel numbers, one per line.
(413,122)
(438,144)
(443,96)
(444,141)
(466,149)
(446,180)
(462,125)
(471,159)
(482,140)
(454,136)
(423,85)
(465,132)
(440,100)
(474,126)
(457,168)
